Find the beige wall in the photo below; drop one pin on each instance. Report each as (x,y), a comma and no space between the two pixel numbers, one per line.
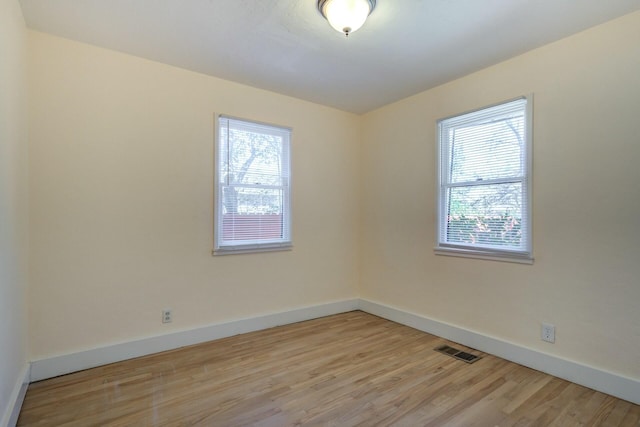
(121,226)
(121,207)
(586,204)
(13,201)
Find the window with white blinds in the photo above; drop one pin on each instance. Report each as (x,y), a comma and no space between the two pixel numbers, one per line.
(484,191)
(253,187)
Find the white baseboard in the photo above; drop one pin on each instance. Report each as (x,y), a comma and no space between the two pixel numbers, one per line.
(12,411)
(60,365)
(597,379)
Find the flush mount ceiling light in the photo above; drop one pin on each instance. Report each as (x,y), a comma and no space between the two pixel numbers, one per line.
(346,16)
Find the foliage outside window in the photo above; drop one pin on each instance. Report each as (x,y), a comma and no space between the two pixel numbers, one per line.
(253,207)
(484,183)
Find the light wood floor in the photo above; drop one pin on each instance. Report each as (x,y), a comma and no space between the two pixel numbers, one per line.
(344,370)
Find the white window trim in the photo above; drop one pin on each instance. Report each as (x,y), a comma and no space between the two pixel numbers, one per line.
(248,248)
(524,257)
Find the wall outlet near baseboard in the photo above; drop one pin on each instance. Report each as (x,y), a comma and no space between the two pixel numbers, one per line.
(167,315)
(548,333)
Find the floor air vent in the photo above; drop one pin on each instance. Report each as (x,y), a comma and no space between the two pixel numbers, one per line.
(460,355)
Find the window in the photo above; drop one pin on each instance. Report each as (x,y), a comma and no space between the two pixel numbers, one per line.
(253,187)
(484,188)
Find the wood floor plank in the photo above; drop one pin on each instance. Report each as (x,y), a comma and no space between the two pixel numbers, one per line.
(352,369)
(632,417)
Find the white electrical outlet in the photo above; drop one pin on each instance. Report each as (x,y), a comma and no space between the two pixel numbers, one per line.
(548,332)
(167,316)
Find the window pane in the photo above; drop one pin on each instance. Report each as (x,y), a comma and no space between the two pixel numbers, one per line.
(487,151)
(252,227)
(252,158)
(243,200)
(489,215)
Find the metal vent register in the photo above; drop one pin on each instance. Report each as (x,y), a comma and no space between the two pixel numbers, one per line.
(457,354)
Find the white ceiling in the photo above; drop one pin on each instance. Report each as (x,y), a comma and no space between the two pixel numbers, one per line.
(286,46)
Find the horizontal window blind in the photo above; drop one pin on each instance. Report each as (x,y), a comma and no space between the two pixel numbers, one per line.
(253,186)
(484,181)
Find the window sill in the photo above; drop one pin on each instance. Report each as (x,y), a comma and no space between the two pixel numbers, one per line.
(483,255)
(223,251)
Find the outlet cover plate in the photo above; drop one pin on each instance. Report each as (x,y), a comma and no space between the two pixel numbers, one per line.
(548,333)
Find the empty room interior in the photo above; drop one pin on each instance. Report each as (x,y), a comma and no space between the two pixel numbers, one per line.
(225,213)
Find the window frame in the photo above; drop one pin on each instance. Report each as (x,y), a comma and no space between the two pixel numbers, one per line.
(251,246)
(443,165)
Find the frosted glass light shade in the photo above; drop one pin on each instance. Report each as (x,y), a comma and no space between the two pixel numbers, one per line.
(346,16)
